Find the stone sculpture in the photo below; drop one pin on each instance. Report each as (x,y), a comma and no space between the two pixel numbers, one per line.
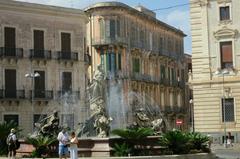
(48,126)
(98,116)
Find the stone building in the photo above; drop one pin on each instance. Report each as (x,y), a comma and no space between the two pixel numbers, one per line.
(41,49)
(146,54)
(216,63)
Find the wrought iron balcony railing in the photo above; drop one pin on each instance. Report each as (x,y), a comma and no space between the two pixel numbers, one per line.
(63,55)
(12,94)
(40,54)
(11,52)
(110,40)
(41,94)
(69,93)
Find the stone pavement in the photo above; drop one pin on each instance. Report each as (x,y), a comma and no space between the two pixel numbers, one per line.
(226,153)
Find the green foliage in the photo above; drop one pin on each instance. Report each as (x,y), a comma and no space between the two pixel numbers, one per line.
(176,141)
(4,132)
(133,140)
(41,143)
(181,143)
(135,133)
(122,149)
(199,141)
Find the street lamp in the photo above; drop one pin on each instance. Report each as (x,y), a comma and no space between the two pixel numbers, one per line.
(223,72)
(192,113)
(32,76)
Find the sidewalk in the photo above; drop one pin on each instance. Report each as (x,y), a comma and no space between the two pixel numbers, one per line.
(226,153)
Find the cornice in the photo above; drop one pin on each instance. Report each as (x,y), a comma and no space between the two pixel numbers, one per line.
(25,7)
(225,33)
(224,1)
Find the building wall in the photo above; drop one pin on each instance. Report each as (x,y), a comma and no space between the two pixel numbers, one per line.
(153,43)
(25,17)
(208,31)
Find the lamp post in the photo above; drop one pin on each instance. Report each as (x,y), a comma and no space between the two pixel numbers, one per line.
(223,72)
(32,76)
(192,113)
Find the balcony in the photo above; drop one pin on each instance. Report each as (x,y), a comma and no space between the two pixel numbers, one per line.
(64,55)
(110,41)
(165,82)
(41,94)
(12,94)
(40,54)
(11,52)
(69,94)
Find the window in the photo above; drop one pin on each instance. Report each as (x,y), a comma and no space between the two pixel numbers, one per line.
(10,117)
(226,54)
(66,42)
(66,81)
(119,61)
(224,13)
(228,110)
(102,28)
(163,73)
(10,83)
(39,85)
(112,29)
(118,28)
(38,44)
(136,65)
(38,117)
(10,41)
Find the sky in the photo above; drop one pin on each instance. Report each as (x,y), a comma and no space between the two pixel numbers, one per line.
(176,16)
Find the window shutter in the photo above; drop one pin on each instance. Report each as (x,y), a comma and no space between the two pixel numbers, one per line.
(226,49)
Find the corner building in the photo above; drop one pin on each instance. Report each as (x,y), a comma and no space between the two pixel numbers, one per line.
(47,41)
(216,62)
(147,54)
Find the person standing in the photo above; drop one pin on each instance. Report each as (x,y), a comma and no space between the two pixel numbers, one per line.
(63,141)
(73,146)
(11,142)
(229,139)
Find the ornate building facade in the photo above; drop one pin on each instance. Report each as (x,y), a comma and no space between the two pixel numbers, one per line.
(216,63)
(42,65)
(147,54)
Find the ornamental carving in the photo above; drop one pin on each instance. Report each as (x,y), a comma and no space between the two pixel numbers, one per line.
(225,33)
(224,1)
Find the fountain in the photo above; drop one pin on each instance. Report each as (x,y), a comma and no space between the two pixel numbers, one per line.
(108,110)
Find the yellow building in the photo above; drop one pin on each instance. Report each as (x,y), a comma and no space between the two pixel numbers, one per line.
(216,62)
(147,54)
(41,59)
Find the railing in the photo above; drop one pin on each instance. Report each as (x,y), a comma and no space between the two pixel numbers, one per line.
(109,40)
(40,54)
(11,52)
(41,94)
(165,81)
(70,94)
(64,55)
(12,94)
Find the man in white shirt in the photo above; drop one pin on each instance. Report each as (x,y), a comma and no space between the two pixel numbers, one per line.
(11,141)
(63,141)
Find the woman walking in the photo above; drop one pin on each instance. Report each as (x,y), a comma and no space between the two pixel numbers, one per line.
(73,146)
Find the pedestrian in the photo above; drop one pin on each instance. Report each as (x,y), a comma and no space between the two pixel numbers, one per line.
(63,143)
(73,146)
(229,139)
(11,142)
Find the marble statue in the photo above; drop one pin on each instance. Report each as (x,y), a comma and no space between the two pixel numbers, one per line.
(98,119)
(48,126)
